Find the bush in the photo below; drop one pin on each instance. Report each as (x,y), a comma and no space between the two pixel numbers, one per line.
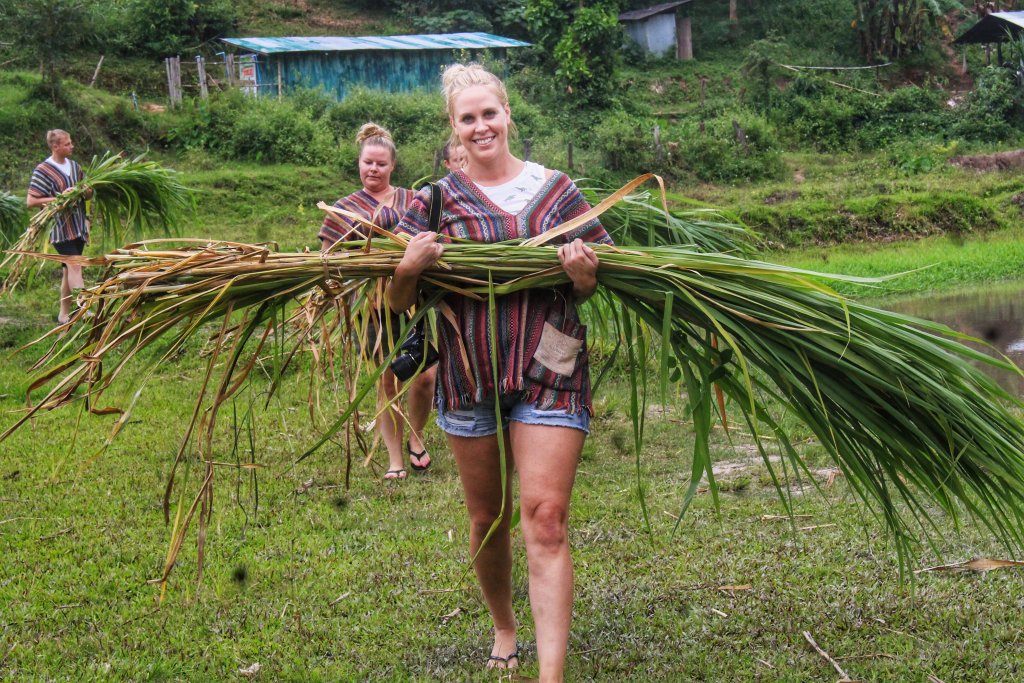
(812,112)
(625,143)
(278,132)
(408,116)
(234,126)
(993,111)
(207,124)
(911,114)
(717,154)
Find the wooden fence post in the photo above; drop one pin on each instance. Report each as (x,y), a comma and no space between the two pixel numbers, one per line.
(684,38)
(279,79)
(229,67)
(173,65)
(201,64)
(657,143)
(741,135)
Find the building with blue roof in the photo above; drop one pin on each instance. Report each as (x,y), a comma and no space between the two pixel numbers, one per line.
(338,63)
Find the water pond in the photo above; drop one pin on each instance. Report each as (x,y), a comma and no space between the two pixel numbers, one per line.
(991,313)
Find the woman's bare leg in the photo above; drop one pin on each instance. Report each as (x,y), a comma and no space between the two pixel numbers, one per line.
(65,296)
(390,424)
(546,459)
(479,470)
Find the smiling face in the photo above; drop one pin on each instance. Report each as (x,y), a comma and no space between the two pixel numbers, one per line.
(481,123)
(375,167)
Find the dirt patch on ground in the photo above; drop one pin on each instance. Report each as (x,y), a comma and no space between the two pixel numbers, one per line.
(1000,161)
(726,469)
(781,196)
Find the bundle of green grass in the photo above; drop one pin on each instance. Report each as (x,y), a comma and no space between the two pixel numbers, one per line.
(898,403)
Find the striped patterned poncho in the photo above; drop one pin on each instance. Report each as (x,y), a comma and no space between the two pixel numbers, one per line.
(49,181)
(361,202)
(541,345)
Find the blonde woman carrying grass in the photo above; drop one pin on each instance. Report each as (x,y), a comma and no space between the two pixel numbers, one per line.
(542,382)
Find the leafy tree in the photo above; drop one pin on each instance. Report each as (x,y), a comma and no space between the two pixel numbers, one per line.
(759,68)
(166,27)
(578,44)
(891,29)
(48,32)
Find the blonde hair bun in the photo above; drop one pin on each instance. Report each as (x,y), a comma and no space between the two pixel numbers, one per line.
(371,133)
(371,130)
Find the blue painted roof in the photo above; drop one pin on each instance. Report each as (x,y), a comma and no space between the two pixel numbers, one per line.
(440,41)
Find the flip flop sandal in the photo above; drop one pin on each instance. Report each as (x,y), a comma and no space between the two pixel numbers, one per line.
(394,475)
(494,660)
(416,458)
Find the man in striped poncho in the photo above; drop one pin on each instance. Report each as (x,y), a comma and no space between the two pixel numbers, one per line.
(70,230)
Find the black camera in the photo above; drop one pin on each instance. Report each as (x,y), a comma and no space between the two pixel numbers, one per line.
(413,354)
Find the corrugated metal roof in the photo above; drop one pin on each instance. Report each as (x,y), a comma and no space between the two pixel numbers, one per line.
(638,14)
(440,41)
(992,28)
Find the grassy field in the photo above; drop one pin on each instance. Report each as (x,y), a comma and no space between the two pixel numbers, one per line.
(314,580)
(319,571)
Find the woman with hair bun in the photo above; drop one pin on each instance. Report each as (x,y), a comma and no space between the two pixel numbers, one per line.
(542,382)
(382,204)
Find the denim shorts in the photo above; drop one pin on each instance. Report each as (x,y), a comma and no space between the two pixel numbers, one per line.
(479,420)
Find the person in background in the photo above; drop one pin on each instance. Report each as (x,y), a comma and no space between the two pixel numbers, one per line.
(542,381)
(383,204)
(70,231)
(454,155)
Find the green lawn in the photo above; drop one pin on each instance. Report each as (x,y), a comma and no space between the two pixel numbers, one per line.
(316,581)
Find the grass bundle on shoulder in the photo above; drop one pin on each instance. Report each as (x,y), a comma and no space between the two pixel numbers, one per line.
(132,199)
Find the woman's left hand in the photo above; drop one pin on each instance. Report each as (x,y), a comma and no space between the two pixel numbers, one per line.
(580,263)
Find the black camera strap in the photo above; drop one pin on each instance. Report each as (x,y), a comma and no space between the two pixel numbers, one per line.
(416,345)
(434,211)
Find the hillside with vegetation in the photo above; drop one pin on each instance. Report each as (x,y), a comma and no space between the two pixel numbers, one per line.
(740,126)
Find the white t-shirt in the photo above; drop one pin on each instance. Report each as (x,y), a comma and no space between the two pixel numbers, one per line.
(514,195)
(64,167)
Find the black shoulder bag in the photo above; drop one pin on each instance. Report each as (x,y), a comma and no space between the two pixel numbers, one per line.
(415,353)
